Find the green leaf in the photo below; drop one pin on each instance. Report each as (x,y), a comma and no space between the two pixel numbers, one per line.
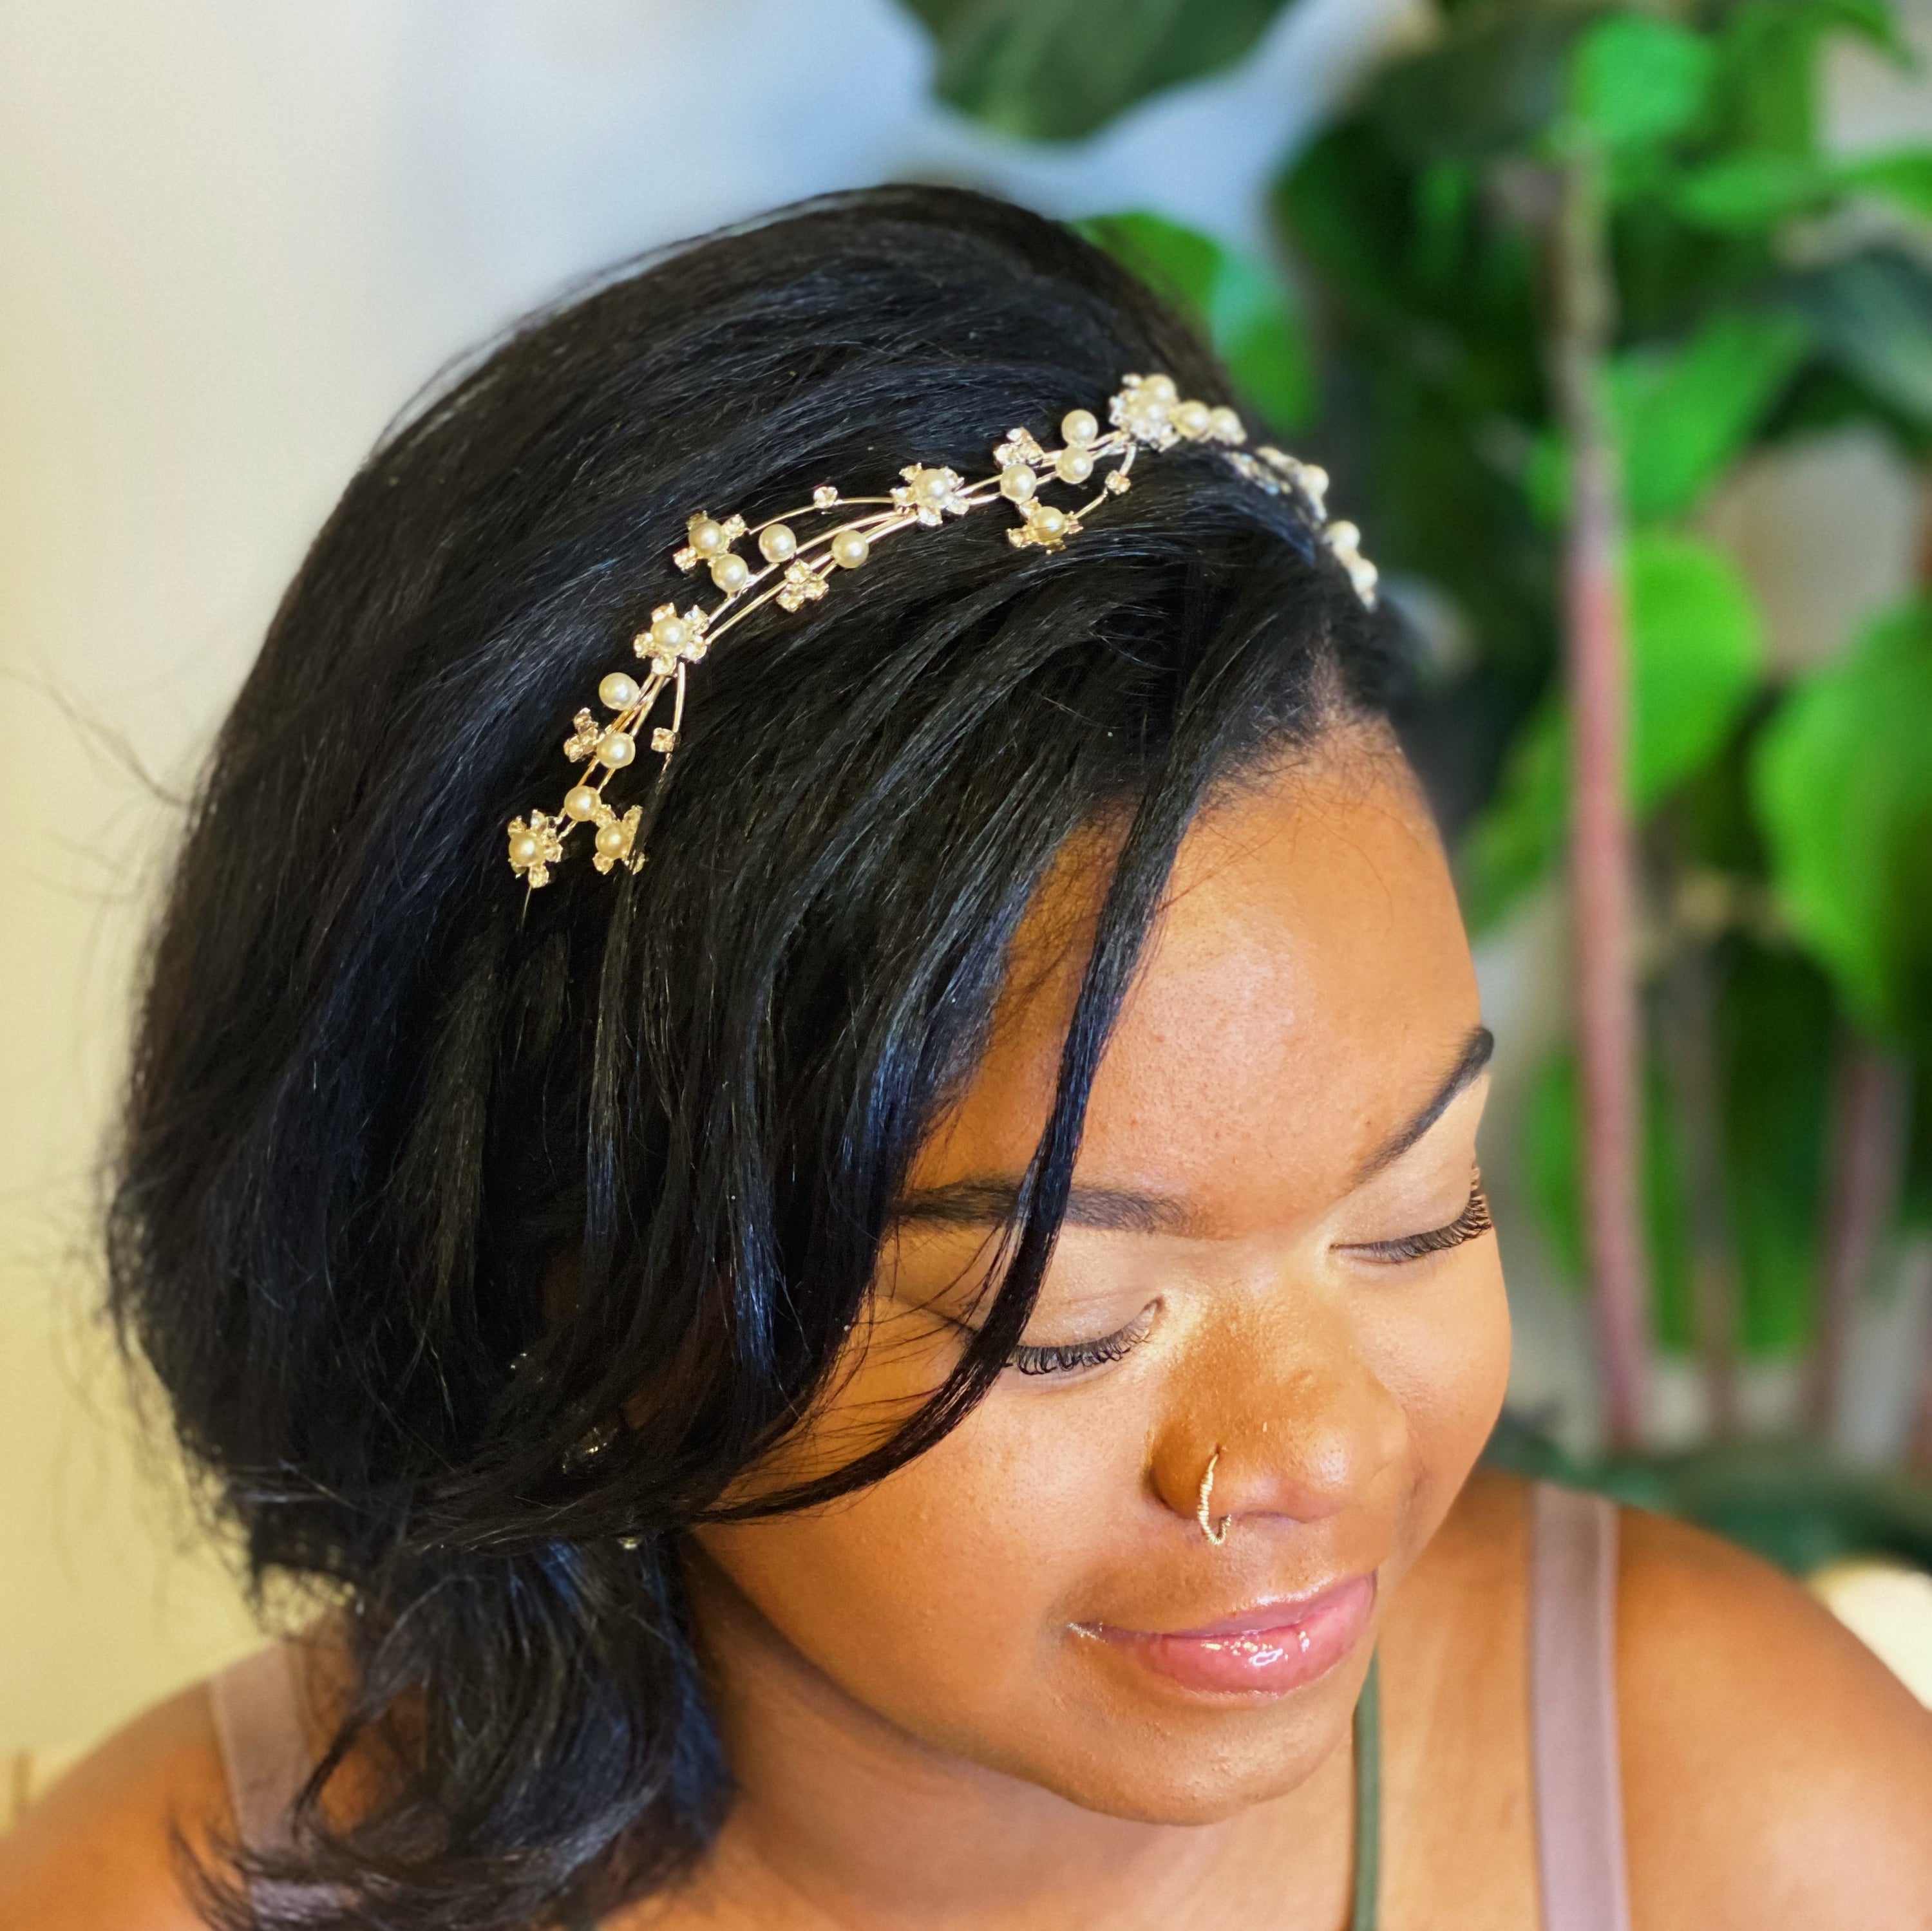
(1635,80)
(1873,313)
(1696,659)
(1697,650)
(1553,1174)
(1059,69)
(1242,308)
(1513,844)
(1743,194)
(1767,87)
(1902,175)
(1775,1023)
(1684,415)
(1771,1048)
(1747,193)
(1552,1162)
(1491,83)
(1875,21)
(1844,785)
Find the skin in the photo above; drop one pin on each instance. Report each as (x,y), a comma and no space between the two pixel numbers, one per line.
(925,1730)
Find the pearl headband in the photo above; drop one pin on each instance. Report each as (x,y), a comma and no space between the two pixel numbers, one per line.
(1148,413)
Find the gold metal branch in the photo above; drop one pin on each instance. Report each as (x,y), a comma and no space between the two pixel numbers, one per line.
(791,570)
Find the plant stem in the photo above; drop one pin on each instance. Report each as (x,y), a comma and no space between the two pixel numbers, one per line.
(1917,1284)
(1870,1122)
(1690,1029)
(1918,1439)
(1602,858)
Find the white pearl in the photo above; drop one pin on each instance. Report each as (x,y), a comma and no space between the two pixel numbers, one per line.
(1160,387)
(1191,418)
(1080,425)
(1018,483)
(778,544)
(580,802)
(668,633)
(1314,479)
(707,536)
(1341,536)
(1049,521)
(524,849)
(1363,574)
(729,572)
(611,840)
(932,487)
(849,548)
(1073,466)
(619,692)
(1225,426)
(617,749)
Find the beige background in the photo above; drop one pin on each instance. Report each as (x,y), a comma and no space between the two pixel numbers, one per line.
(233,238)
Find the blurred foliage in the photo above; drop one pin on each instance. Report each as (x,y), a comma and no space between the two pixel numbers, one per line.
(1772,1053)
(1697,660)
(1766,288)
(1242,307)
(1057,69)
(1553,1162)
(1844,777)
(1793,1503)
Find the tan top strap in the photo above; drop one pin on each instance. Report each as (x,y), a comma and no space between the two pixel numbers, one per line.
(1573,1680)
(258,1718)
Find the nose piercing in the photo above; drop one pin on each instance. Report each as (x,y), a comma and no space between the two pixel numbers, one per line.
(1216,1537)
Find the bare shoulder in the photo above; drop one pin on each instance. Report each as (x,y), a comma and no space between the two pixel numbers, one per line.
(100,1852)
(1461,1847)
(1774,1770)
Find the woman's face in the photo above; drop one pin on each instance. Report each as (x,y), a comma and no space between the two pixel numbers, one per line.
(1290,1098)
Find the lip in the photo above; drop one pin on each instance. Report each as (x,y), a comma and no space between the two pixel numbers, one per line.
(1273,1648)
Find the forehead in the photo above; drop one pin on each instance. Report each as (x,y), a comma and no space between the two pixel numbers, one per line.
(1306,987)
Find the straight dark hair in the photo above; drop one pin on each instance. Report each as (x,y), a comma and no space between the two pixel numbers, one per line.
(424,1178)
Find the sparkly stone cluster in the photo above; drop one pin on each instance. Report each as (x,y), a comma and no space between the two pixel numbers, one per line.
(792,570)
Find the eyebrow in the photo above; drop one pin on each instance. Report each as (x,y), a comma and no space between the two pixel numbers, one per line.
(988,1200)
(985,1202)
(1477,1049)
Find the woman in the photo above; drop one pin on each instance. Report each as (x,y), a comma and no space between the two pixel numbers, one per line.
(884,1328)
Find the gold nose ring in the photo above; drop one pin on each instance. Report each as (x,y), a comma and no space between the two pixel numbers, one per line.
(1216,1537)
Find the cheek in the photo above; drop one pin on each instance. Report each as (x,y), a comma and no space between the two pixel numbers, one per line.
(940,1598)
(1441,1348)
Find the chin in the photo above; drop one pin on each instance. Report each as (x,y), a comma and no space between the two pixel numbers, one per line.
(1145,1785)
(1147,1768)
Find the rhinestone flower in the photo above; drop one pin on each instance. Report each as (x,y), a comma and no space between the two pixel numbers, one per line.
(535,847)
(796,565)
(932,495)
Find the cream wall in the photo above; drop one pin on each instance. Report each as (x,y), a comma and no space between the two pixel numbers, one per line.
(234,237)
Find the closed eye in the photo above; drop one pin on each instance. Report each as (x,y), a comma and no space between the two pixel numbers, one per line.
(1070,1357)
(1473,1222)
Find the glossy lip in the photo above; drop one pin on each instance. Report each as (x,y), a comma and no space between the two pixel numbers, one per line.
(1274,1646)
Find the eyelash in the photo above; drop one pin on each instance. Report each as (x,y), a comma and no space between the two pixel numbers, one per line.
(1070,1357)
(1470,1224)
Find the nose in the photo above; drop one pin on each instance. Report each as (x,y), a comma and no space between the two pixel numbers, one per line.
(1296,1423)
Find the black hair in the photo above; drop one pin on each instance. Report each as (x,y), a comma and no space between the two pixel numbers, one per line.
(383,1099)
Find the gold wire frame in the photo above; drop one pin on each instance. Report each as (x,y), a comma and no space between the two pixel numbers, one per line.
(1147,412)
